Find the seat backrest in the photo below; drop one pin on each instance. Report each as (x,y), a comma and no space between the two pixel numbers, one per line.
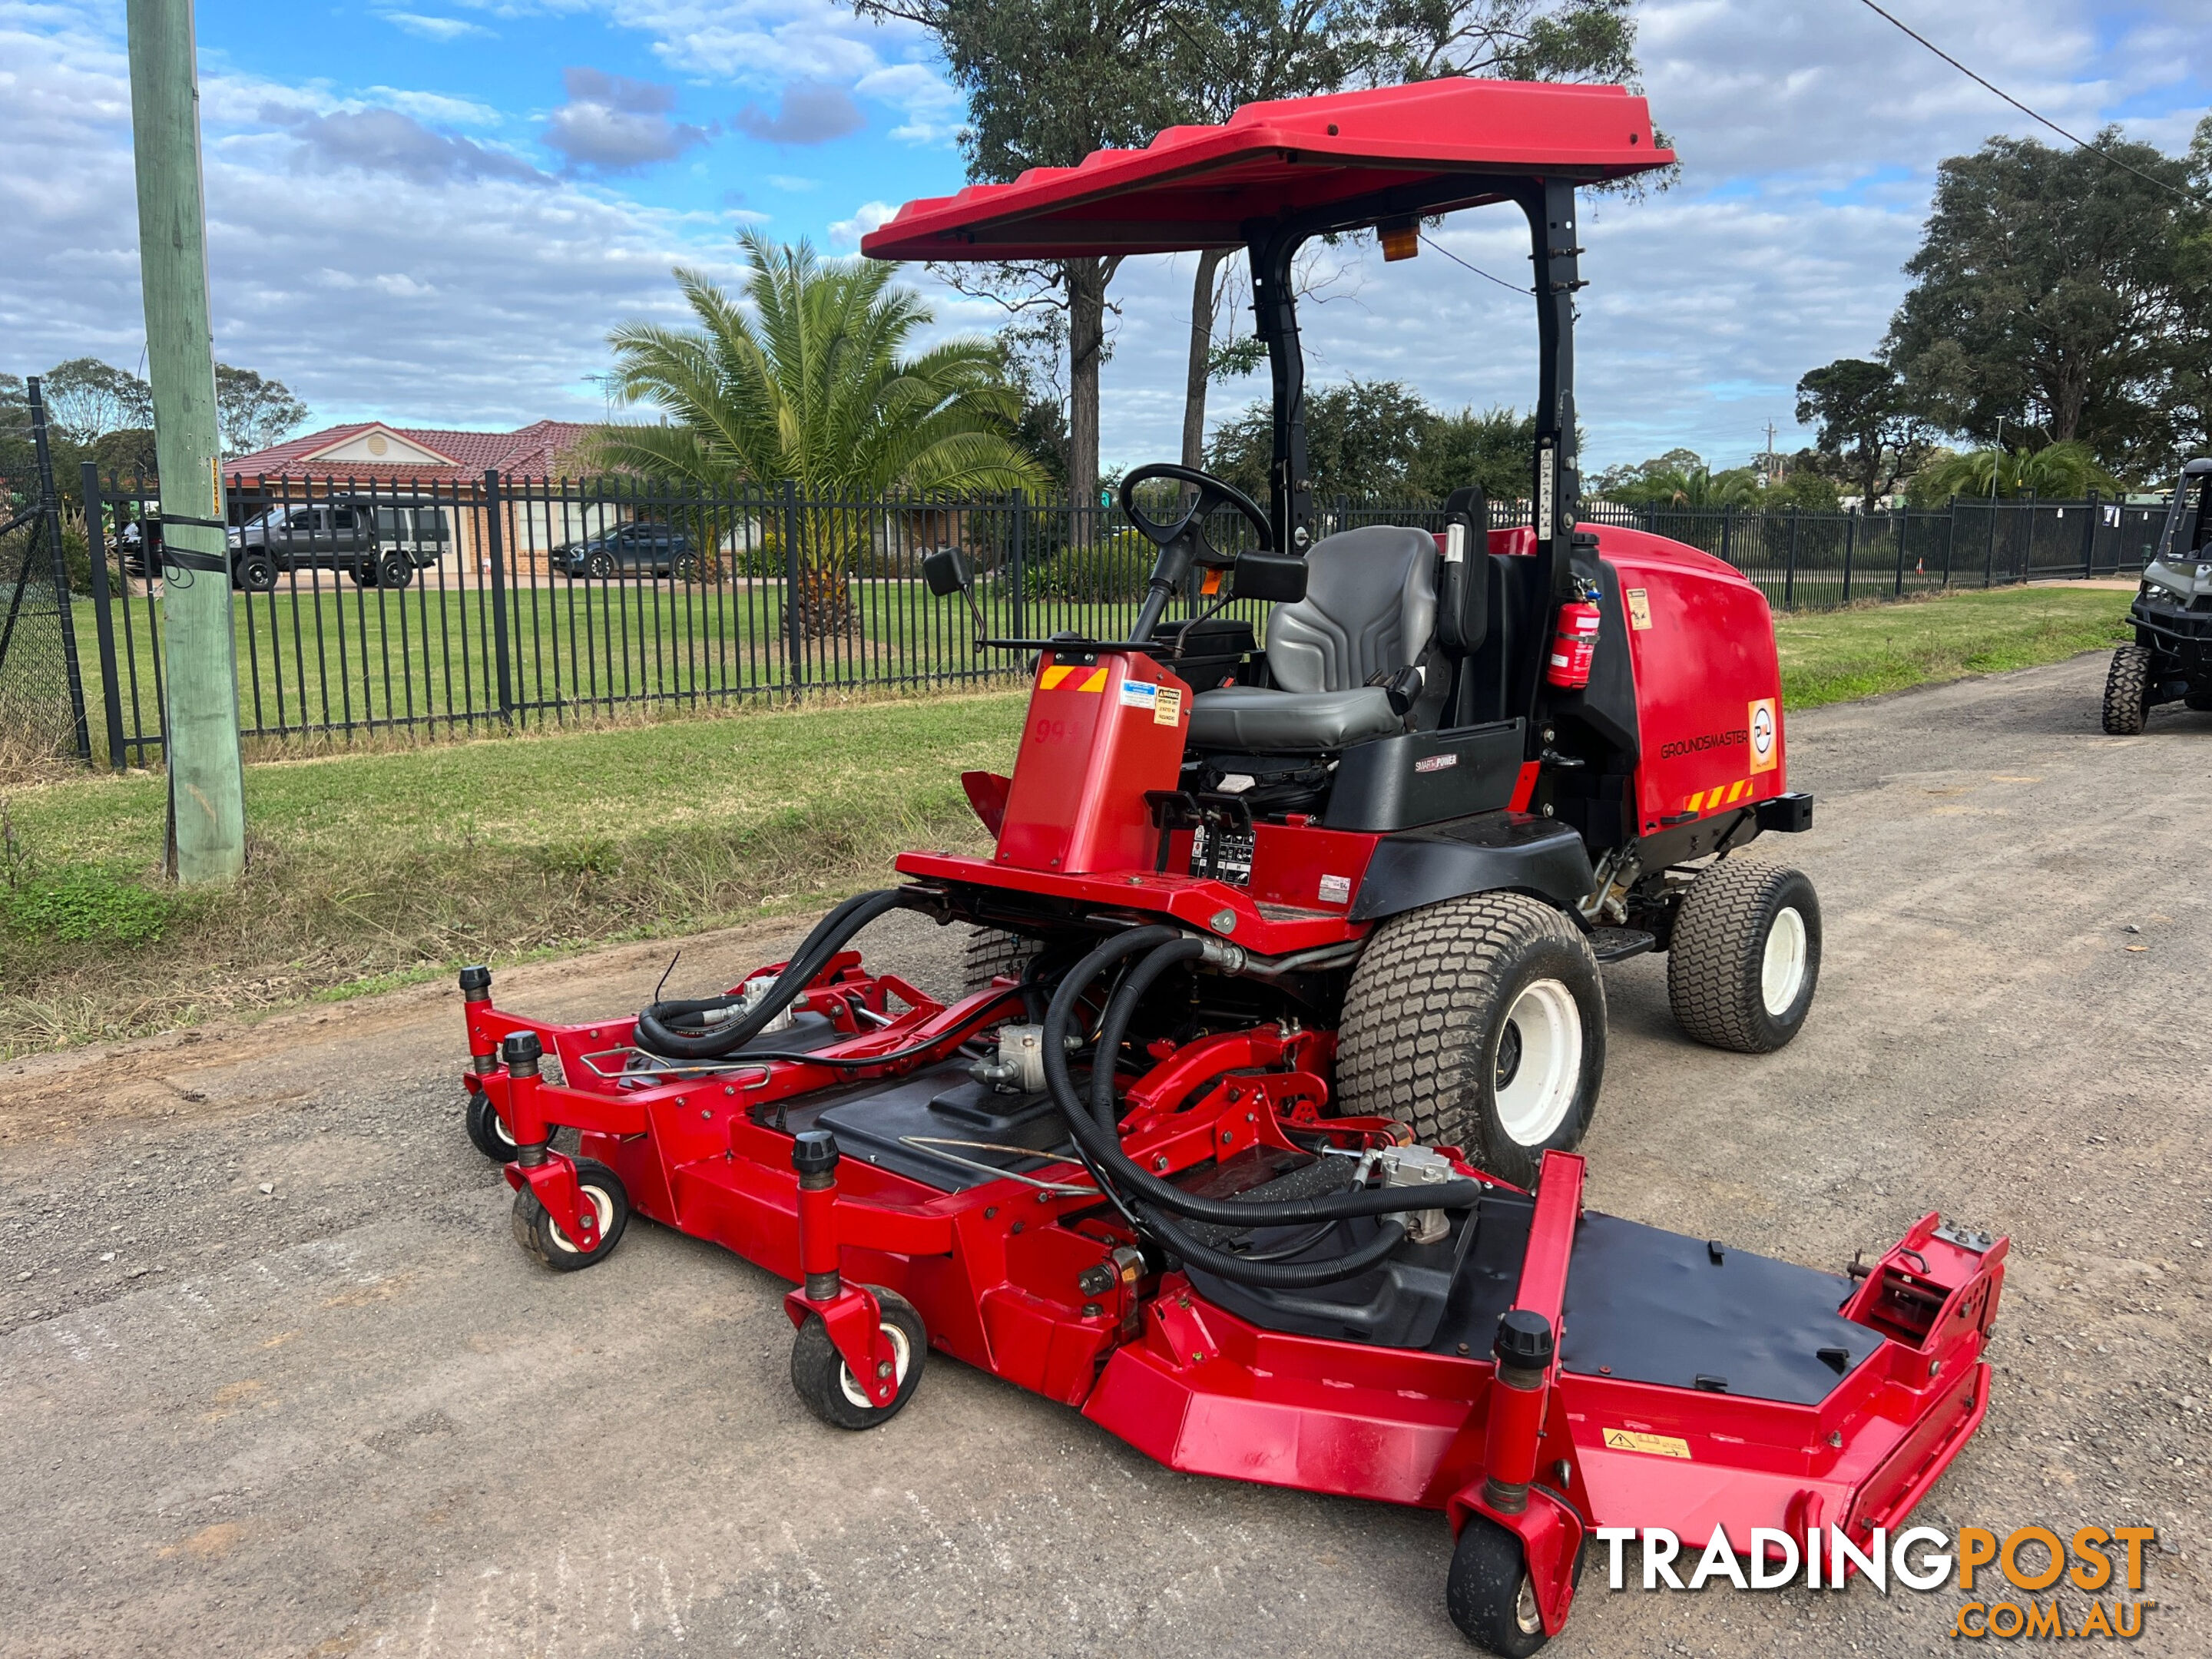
(1371,607)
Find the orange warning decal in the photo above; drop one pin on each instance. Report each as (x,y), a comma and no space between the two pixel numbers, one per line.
(1726,794)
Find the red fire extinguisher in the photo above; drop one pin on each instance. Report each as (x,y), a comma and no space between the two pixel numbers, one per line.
(1574,643)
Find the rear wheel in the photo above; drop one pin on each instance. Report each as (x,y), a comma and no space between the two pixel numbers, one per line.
(1745,957)
(826,1383)
(256,573)
(1489,1594)
(2127,691)
(540,1235)
(599,564)
(394,570)
(991,953)
(1482,1019)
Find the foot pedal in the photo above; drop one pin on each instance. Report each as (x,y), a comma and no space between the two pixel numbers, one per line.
(1618,944)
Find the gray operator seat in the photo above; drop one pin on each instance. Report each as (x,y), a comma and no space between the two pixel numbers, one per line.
(1371,607)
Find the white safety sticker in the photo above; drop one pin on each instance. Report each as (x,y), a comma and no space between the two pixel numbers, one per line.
(1167,705)
(1639,608)
(1336,889)
(1139,694)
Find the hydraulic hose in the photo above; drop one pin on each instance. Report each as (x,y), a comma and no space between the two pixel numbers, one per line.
(1103,1143)
(1270,1275)
(656,1032)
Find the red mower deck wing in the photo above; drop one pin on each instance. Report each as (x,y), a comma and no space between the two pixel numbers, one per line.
(1198,187)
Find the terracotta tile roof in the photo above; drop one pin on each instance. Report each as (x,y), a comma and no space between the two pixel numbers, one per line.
(540,450)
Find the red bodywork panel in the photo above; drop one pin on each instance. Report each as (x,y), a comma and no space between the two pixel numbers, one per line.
(1201,186)
(1103,727)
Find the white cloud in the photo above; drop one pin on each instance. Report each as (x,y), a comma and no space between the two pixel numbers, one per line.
(845,233)
(440,29)
(935,112)
(613,123)
(435,107)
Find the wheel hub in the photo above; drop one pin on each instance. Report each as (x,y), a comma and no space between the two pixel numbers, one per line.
(1782,965)
(1539,1061)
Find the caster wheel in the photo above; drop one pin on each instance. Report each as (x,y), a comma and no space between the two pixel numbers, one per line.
(1489,1594)
(539,1236)
(825,1383)
(489,1134)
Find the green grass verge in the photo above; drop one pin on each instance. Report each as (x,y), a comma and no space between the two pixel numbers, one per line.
(374,869)
(1835,656)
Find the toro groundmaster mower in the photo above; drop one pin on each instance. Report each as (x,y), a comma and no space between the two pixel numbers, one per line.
(1250,1137)
(2172,655)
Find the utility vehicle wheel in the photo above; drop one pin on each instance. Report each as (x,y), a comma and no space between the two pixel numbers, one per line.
(2127,691)
(1483,1019)
(536,1230)
(489,1134)
(990,953)
(394,570)
(825,1383)
(686,568)
(1489,1594)
(256,573)
(2199,701)
(1745,957)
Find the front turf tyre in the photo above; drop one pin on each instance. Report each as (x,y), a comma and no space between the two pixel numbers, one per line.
(1482,1021)
(1746,955)
(825,1383)
(2127,692)
(539,1236)
(991,953)
(1489,1594)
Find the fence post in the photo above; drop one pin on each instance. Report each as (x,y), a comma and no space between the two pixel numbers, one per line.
(1727,523)
(103,613)
(794,635)
(1990,553)
(1018,603)
(494,535)
(2089,536)
(1950,543)
(1851,546)
(1790,570)
(1900,525)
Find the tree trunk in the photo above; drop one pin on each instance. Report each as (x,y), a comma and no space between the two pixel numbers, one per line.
(1086,280)
(1201,347)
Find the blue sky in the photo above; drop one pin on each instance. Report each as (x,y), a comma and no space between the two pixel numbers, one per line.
(431,212)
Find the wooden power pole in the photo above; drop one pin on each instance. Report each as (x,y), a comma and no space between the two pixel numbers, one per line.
(207,788)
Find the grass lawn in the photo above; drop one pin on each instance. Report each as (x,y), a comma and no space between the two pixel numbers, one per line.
(371,868)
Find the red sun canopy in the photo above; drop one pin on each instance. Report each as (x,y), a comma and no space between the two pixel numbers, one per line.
(1198,187)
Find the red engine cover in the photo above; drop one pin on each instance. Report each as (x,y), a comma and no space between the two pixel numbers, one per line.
(1103,727)
(1708,681)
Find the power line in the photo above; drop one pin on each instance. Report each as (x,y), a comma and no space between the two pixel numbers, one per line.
(1476,270)
(2079,144)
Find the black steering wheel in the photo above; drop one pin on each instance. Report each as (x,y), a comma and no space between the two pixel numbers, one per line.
(1212,493)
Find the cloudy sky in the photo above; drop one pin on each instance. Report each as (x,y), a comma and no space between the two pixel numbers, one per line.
(431,212)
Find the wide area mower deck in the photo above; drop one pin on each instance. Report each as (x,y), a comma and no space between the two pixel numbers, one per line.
(1252,1136)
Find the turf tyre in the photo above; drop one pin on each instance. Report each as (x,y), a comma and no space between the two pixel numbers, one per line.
(1488,1593)
(540,1237)
(990,953)
(2127,692)
(825,1383)
(1432,1030)
(1732,934)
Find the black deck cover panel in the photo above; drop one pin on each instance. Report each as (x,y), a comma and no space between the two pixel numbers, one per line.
(1650,1306)
(943,1103)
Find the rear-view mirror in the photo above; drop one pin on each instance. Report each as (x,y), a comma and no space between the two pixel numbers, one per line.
(946,571)
(1277,578)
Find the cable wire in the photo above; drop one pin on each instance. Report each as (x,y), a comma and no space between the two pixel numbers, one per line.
(2081,143)
(1476,270)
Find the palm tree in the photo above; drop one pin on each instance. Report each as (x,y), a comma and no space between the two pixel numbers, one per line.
(2064,471)
(1692,486)
(812,387)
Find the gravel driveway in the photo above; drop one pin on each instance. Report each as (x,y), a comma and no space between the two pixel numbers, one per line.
(275,1379)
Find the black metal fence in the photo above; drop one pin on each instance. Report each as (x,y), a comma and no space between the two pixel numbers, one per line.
(493,603)
(42,701)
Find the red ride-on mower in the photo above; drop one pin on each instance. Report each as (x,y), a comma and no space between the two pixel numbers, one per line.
(1286,980)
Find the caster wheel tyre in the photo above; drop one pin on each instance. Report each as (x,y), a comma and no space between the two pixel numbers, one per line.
(1745,957)
(1489,1594)
(539,1236)
(2127,692)
(825,1383)
(488,1134)
(990,954)
(1482,1019)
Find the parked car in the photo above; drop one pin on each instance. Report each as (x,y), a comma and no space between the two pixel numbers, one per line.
(657,549)
(378,544)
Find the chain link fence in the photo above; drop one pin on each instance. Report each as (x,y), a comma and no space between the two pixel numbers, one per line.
(42,702)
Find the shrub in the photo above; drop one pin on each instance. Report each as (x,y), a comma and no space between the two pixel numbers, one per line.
(90,904)
(1112,569)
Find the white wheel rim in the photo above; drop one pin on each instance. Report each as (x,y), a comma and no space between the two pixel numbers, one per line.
(1525,1613)
(1534,1102)
(601,1201)
(1782,968)
(900,1352)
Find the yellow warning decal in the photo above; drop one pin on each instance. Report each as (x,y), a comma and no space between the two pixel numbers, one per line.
(1054,677)
(1656,1445)
(1639,608)
(1726,794)
(1167,705)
